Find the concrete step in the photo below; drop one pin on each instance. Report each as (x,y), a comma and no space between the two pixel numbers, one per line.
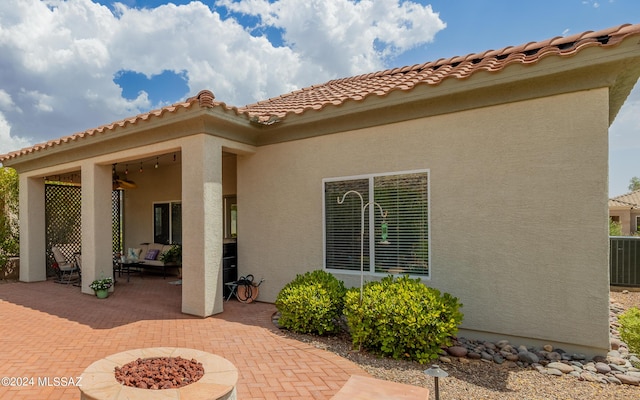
(366,388)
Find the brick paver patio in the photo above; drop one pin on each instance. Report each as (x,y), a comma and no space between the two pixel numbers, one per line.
(53,331)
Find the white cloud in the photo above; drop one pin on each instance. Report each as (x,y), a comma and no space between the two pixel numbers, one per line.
(6,102)
(343,36)
(59,57)
(592,3)
(10,143)
(624,133)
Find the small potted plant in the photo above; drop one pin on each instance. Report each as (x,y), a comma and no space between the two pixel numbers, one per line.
(101,287)
(173,256)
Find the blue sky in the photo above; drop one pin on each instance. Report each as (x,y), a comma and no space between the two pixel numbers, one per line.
(68,66)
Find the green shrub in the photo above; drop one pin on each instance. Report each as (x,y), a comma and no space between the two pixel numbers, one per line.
(311,303)
(615,228)
(9,229)
(402,318)
(630,328)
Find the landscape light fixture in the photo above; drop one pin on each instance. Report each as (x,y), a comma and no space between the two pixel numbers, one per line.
(436,373)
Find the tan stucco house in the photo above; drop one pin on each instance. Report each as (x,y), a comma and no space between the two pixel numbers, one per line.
(475,160)
(625,209)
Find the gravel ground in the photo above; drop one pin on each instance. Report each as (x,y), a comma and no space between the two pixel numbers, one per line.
(471,379)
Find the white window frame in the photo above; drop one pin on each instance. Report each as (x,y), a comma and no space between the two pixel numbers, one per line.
(369,268)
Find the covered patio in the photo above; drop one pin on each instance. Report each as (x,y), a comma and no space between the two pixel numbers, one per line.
(173,159)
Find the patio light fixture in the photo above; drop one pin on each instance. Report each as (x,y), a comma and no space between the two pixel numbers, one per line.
(436,373)
(384,227)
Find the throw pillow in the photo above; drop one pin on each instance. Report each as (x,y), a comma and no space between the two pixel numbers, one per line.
(152,254)
(133,253)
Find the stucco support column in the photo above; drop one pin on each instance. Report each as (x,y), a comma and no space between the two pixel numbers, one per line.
(33,266)
(202,226)
(97,257)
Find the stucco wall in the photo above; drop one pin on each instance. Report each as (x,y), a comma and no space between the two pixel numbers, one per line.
(153,185)
(507,234)
(160,185)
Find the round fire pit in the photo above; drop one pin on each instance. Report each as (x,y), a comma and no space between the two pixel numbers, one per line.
(218,381)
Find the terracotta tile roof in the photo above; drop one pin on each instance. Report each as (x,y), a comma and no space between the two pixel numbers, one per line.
(358,88)
(381,83)
(628,200)
(204,99)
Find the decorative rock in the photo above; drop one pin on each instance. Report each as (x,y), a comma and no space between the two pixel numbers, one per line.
(575,374)
(578,356)
(614,353)
(512,357)
(589,377)
(457,351)
(490,346)
(552,371)
(613,379)
(553,356)
(486,356)
(528,357)
(615,343)
(628,380)
(617,368)
(576,364)
(616,360)
(602,368)
(564,368)
(474,356)
(507,347)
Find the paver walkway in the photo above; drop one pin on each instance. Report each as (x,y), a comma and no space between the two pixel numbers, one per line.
(50,331)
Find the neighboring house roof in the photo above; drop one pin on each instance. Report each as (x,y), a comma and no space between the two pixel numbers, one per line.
(628,200)
(378,84)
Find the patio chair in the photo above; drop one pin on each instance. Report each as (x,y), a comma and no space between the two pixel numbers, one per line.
(67,268)
(78,259)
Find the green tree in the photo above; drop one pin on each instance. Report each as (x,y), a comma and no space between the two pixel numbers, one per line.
(615,228)
(634,184)
(9,232)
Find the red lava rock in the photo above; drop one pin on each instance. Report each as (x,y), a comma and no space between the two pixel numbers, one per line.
(159,373)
